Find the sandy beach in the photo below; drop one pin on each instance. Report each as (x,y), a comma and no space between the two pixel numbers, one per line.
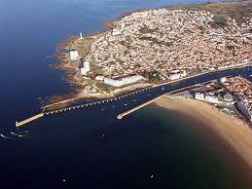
(233,135)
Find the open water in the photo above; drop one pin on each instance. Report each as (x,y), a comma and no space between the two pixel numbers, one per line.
(153,148)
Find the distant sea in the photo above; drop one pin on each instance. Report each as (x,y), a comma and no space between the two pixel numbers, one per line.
(152,148)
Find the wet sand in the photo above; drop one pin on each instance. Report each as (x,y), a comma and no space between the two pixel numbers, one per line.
(230,135)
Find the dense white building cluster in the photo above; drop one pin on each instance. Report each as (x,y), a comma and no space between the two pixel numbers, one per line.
(242,89)
(163,40)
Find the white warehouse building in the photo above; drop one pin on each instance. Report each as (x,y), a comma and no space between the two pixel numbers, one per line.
(176,74)
(74,55)
(123,81)
(85,69)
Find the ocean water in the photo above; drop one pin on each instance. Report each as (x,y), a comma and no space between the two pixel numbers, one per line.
(89,149)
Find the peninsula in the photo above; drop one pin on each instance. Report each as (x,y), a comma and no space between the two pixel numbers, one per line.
(149,47)
(158,50)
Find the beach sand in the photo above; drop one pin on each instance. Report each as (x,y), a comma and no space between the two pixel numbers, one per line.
(233,135)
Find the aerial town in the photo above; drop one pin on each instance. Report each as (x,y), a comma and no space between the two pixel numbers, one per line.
(154,46)
(158,48)
(149,47)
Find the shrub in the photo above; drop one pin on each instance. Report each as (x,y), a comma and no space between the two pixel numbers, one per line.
(220,20)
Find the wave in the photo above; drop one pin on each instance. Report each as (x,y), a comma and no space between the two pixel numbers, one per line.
(19,134)
(5,137)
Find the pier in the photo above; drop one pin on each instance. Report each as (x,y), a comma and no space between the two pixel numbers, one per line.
(122,115)
(29,120)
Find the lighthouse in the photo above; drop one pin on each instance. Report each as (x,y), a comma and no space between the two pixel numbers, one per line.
(81,35)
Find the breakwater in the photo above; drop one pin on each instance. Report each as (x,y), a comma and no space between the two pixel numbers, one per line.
(150,93)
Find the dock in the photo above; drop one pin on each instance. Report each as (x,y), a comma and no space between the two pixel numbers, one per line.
(29,120)
(122,115)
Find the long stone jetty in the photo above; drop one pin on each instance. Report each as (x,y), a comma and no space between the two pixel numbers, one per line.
(29,120)
(120,116)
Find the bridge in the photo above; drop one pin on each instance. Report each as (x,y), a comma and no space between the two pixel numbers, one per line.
(244,70)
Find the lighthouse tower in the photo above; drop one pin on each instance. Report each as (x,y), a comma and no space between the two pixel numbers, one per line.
(81,36)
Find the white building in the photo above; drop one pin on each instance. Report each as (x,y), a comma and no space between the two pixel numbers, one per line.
(99,78)
(199,96)
(177,75)
(207,98)
(123,81)
(223,80)
(116,32)
(212,99)
(85,69)
(74,55)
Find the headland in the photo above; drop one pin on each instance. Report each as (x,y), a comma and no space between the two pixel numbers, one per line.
(148,47)
(155,48)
